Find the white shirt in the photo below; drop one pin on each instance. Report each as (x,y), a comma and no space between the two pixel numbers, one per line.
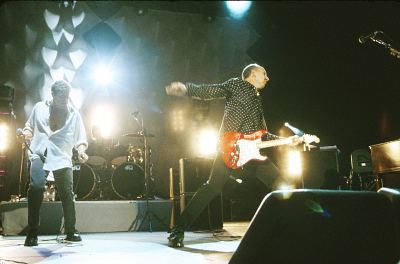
(58,143)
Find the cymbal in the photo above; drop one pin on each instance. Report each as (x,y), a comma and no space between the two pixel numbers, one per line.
(137,135)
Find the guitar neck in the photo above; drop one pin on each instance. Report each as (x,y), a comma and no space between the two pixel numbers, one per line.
(274,143)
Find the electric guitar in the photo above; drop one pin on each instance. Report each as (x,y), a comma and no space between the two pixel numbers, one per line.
(238,148)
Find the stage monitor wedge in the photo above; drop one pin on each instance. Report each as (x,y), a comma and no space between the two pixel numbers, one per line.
(321,226)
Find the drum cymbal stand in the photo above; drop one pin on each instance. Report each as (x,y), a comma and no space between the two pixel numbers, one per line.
(148,215)
(24,146)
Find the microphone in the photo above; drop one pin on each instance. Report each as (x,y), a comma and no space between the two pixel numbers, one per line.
(295,130)
(363,39)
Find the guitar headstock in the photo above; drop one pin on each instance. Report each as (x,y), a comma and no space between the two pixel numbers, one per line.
(307,139)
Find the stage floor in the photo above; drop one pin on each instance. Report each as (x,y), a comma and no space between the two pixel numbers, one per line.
(127,247)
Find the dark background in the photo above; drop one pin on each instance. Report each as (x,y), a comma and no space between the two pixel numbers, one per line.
(322,80)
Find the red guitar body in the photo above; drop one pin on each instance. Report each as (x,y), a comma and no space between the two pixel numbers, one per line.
(232,150)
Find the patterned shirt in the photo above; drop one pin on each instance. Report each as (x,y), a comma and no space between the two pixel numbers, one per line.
(57,144)
(243,107)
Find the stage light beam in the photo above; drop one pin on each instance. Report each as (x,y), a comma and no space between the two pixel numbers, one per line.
(102,75)
(103,121)
(237,9)
(294,162)
(207,142)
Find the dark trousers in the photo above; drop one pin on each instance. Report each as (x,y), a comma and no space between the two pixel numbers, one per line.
(265,171)
(64,183)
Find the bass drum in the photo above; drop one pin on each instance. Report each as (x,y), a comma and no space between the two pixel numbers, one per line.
(127,181)
(84,181)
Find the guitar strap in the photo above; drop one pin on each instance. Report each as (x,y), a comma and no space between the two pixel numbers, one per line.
(264,123)
(220,128)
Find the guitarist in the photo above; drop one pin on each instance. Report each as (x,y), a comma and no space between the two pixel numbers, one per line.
(243,113)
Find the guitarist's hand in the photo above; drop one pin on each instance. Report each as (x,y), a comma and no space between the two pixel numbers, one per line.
(176,89)
(307,139)
(81,155)
(23,135)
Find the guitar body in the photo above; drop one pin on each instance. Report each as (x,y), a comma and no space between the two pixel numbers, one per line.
(238,148)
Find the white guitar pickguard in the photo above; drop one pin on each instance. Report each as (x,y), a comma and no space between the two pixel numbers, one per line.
(248,150)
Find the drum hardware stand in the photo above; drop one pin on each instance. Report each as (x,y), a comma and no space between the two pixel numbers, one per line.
(148,213)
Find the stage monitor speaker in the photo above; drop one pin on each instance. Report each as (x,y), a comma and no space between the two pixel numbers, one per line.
(321,168)
(394,196)
(321,226)
(192,174)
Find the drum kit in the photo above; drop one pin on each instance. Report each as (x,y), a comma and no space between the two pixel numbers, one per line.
(115,172)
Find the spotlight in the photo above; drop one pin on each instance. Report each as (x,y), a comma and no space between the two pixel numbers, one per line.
(207,142)
(177,120)
(102,75)
(294,168)
(103,122)
(67,4)
(238,8)
(141,11)
(4,137)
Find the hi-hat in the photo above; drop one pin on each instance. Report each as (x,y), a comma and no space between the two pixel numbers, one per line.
(137,135)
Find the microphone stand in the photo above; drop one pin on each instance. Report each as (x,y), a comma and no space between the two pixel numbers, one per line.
(148,213)
(394,52)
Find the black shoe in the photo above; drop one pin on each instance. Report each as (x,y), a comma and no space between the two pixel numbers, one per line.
(175,239)
(73,237)
(31,240)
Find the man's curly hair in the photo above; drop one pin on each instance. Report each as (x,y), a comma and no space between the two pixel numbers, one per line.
(60,88)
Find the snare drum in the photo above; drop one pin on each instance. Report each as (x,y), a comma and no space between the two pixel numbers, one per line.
(84,181)
(127,181)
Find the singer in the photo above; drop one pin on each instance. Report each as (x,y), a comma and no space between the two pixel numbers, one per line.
(55,128)
(244,114)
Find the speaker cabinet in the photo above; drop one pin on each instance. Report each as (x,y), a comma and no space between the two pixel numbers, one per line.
(211,218)
(321,226)
(321,168)
(192,174)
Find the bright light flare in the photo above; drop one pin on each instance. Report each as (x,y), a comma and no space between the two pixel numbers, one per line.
(238,8)
(286,190)
(294,164)
(177,120)
(4,137)
(207,142)
(103,121)
(102,75)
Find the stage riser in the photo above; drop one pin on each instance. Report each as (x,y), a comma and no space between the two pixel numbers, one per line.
(91,216)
